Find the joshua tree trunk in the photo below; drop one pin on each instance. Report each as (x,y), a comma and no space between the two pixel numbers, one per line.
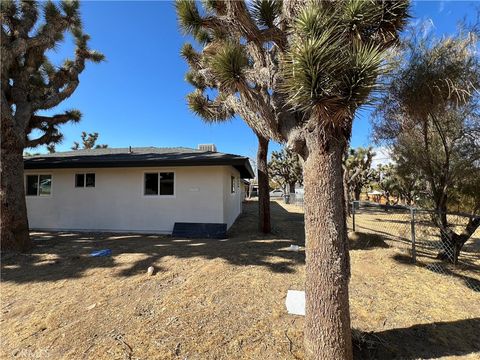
(14,222)
(292,188)
(263,186)
(327,322)
(357,194)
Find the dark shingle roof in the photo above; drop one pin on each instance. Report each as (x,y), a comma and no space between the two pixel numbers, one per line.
(138,157)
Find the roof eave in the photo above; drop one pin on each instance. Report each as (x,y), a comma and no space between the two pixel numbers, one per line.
(241,164)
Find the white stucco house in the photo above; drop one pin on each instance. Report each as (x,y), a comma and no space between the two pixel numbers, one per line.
(133,189)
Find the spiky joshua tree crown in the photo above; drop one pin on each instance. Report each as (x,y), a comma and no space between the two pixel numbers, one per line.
(286,66)
(30,82)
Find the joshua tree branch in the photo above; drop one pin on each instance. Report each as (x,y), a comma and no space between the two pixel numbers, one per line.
(37,120)
(29,18)
(51,136)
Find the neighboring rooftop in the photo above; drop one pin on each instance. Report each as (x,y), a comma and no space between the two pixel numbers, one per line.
(137,157)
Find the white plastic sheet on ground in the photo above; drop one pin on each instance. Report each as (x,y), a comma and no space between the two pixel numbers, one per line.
(295,302)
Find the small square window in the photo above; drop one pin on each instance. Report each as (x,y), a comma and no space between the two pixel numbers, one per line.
(151,184)
(79,180)
(85,180)
(90,180)
(162,184)
(32,185)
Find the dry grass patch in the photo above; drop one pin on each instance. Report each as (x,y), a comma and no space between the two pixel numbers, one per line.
(213,299)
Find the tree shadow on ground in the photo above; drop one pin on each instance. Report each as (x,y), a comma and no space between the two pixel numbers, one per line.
(420,341)
(472,247)
(441,268)
(365,241)
(383,233)
(405,221)
(66,255)
(469,257)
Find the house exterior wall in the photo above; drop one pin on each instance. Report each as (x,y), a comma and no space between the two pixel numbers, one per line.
(232,202)
(117,202)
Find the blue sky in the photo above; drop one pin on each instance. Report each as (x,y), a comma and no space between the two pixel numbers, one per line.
(137,96)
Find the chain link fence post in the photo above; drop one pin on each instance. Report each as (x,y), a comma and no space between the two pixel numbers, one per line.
(412,225)
(353,216)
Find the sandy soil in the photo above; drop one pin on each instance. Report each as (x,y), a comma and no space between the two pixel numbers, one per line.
(212,299)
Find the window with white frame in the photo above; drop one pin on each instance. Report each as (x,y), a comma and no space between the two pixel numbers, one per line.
(38,185)
(159,183)
(85,180)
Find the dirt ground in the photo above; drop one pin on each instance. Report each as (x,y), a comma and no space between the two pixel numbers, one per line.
(222,299)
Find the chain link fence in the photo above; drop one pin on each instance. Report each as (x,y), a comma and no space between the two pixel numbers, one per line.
(384,225)
(296,199)
(415,231)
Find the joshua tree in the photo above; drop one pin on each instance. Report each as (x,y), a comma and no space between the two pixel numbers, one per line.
(89,141)
(358,170)
(409,186)
(221,111)
(387,181)
(301,69)
(285,169)
(430,117)
(51,148)
(30,84)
